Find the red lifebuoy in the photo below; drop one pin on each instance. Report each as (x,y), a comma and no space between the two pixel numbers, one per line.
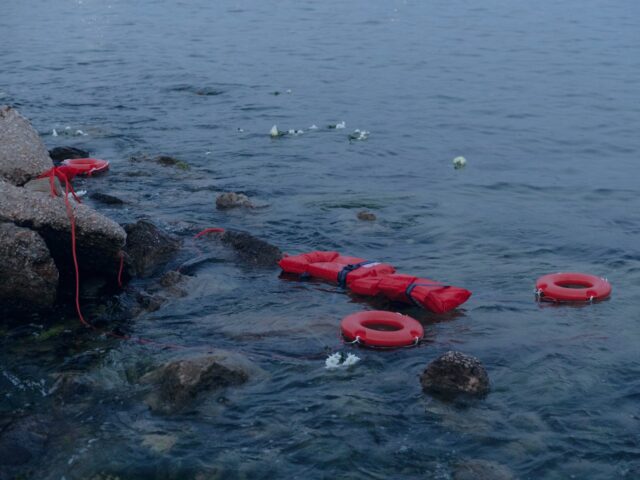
(399,330)
(87,166)
(572,287)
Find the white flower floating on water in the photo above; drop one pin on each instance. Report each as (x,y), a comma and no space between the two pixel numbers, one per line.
(459,162)
(359,134)
(340,360)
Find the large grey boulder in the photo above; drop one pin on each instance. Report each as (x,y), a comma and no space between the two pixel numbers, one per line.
(28,275)
(23,156)
(177,383)
(148,247)
(99,239)
(251,249)
(455,373)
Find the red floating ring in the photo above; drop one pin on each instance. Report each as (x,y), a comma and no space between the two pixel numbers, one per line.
(87,166)
(401,330)
(572,287)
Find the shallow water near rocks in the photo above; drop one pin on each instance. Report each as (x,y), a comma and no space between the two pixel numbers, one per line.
(540,98)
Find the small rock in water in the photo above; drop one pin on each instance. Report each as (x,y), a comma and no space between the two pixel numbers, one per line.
(105,198)
(228,200)
(59,154)
(148,247)
(454,373)
(367,216)
(340,360)
(251,249)
(459,162)
(359,135)
(477,469)
(168,161)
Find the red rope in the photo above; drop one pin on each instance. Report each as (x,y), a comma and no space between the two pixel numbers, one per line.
(209,230)
(65,174)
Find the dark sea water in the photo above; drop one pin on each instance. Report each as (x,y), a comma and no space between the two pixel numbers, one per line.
(543,100)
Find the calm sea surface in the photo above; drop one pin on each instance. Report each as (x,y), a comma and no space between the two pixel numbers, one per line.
(543,100)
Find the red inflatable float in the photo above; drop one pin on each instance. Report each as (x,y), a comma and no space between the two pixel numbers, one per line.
(374,278)
(382,329)
(572,287)
(86,166)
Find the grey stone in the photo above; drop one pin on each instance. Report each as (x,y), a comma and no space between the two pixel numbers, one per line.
(366,216)
(23,156)
(28,274)
(476,469)
(148,247)
(228,200)
(177,383)
(99,239)
(105,198)
(455,373)
(43,185)
(251,249)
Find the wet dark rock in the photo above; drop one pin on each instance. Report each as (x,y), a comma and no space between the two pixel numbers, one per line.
(149,302)
(229,200)
(105,198)
(172,278)
(24,439)
(167,161)
(476,469)
(59,154)
(455,373)
(366,216)
(69,385)
(148,247)
(176,384)
(23,156)
(29,274)
(252,249)
(99,239)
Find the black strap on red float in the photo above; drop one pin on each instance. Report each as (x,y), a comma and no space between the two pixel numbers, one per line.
(342,276)
(411,286)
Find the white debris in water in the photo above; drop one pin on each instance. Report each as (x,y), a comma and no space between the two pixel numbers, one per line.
(342,124)
(80,132)
(313,127)
(240,129)
(295,132)
(339,360)
(288,90)
(274,131)
(79,193)
(359,134)
(54,133)
(459,162)
(207,153)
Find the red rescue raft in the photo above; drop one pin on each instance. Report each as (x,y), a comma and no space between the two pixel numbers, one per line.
(381,329)
(572,287)
(374,278)
(87,166)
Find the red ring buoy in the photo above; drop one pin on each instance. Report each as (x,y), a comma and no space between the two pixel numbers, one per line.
(87,166)
(572,287)
(403,331)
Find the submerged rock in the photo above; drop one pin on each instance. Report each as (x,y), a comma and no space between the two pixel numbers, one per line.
(455,373)
(366,216)
(59,154)
(168,161)
(476,469)
(148,247)
(23,156)
(29,275)
(23,440)
(228,200)
(252,249)
(177,384)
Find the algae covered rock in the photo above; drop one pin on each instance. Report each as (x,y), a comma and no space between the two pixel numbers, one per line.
(177,383)
(251,249)
(455,373)
(228,200)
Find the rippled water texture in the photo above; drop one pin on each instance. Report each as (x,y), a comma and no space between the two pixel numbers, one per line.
(541,98)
